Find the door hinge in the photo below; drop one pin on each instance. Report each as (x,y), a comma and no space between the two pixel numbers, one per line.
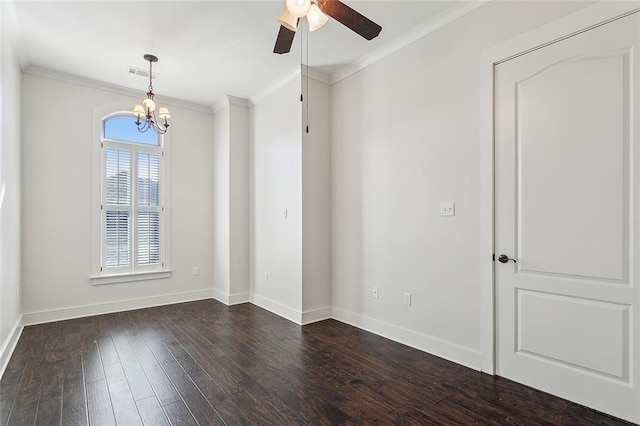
(101,207)
(101,145)
(494,257)
(101,269)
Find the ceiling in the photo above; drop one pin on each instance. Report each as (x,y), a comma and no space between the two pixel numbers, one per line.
(207,49)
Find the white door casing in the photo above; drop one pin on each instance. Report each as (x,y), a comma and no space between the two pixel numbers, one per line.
(567,193)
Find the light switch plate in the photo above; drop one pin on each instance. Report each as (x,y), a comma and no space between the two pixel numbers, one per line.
(447,208)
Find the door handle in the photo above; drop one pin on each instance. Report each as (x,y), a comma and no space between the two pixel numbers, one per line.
(503,258)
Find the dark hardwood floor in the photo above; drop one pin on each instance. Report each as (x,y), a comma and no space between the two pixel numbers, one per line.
(206,363)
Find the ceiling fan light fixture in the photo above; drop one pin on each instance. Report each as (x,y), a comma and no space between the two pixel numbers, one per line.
(287,20)
(316,18)
(298,8)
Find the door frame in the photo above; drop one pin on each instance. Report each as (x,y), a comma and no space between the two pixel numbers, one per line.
(561,29)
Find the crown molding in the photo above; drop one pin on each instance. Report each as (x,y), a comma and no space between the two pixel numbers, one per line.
(314,74)
(228,100)
(100,85)
(219,104)
(282,81)
(299,71)
(241,102)
(442,19)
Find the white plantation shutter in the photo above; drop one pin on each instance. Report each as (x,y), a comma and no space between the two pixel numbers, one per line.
(117,208)
(148,238)
(117,239)
(132,211)
(148,216)
(118,176)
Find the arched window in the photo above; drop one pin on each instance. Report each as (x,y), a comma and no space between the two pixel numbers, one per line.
(133,221)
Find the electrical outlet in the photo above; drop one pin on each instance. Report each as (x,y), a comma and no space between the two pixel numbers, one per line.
(284,214)
(196,271)
(407,299)
(374,292)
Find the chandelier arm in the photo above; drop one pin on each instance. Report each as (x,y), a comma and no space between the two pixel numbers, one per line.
(156,126)
(143,127)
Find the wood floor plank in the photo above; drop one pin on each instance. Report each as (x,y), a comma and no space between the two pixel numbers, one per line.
(201,409)
(179,414)
(74,404)
(26,401)
(92,363)
(49,409)
(9,386)
(108,352)
(99,404)
(206,363)
(140,386)
(151,412)
(202,350)
(124,406)
(205,383)
(162,386)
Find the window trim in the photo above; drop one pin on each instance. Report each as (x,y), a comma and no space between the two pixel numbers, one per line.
(98,277)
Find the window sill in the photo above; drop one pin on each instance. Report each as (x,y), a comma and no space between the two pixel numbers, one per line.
(129,277)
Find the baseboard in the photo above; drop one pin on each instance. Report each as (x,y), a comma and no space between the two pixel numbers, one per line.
(230,299)
(277,308)
(316,315)
(9,345)
(117,306)
(238,298)
(438,347)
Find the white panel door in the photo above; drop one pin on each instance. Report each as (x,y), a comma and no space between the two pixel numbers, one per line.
(567,206)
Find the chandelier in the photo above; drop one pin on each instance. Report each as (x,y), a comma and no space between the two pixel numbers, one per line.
(146,113)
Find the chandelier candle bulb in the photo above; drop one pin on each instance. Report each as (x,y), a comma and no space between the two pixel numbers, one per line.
(139,111)
(163,112)
(149,105)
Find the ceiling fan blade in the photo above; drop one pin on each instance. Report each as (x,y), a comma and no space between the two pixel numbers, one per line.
(350,18)
(284,40)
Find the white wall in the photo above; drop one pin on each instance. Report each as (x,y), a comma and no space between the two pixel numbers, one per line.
(316,202)
(276,184)
(239,203)
(57,193)
(231,202)
(406,136)
(291,170)
(10,193)
(221,255)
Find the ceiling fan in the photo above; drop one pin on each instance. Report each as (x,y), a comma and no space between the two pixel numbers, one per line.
(316,12)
